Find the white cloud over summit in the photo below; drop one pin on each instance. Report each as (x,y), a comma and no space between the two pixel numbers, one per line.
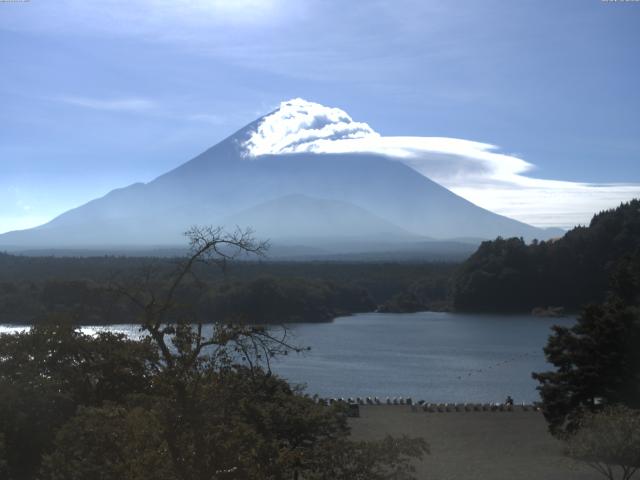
(476,171)
(302,126)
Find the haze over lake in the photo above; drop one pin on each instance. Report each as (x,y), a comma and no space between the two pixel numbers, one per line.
(437,357)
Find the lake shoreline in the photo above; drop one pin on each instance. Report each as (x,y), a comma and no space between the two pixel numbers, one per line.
(566,315)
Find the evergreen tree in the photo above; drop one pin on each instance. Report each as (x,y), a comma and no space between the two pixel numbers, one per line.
(598,359)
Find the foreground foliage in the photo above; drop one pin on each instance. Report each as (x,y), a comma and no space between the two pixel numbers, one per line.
(597,361)
(609,442)
(65,413)
(184,403)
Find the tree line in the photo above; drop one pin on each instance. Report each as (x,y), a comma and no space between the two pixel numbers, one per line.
(508,275)
(31,288)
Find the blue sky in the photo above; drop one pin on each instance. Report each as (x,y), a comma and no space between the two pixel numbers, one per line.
(98,95)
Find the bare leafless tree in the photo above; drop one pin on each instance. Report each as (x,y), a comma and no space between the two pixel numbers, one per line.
(176,328)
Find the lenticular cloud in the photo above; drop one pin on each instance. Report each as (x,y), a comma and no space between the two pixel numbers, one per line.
(476,171)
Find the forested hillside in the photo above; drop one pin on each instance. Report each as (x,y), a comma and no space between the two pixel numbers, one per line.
(508,275)
(85,289)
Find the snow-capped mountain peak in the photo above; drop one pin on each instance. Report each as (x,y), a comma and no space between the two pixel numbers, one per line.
(299,125)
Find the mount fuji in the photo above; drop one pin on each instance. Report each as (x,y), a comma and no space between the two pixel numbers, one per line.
(301,175)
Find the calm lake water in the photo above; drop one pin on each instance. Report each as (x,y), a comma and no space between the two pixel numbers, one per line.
(437,357)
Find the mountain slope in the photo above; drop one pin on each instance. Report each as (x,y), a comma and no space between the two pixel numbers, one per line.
(301,218)
(225,182)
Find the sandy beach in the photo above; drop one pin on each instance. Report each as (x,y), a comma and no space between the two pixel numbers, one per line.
(475,445)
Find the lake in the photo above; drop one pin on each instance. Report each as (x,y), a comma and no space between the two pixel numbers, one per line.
(437,357)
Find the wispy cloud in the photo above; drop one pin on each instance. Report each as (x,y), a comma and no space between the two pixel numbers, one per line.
(476,171)
(285,37)
(210,118)
(128,104)
(185,21)
(144,106)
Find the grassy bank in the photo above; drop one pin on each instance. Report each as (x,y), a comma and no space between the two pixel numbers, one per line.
(475,445)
